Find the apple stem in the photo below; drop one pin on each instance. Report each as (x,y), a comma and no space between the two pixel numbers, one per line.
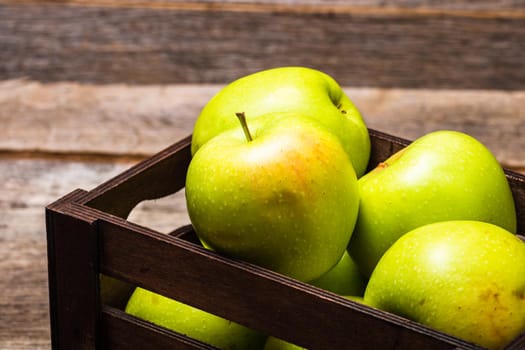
(242,119)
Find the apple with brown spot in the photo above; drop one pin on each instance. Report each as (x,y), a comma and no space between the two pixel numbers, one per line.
(280,192)
(464,278)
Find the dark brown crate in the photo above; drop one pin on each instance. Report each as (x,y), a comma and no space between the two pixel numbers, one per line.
(96,257)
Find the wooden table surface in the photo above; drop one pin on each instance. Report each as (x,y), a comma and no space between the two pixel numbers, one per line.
(88,89)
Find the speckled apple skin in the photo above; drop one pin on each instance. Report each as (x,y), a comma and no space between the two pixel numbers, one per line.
(464,278)
(287,200)
(195,323)
(444,175)
(287,89)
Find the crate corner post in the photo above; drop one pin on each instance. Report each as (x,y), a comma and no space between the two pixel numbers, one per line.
(73,275)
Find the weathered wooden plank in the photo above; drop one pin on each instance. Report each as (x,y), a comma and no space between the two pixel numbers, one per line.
(446,5)
(131,120)
(24,320)
(195,43)
(117,119)
(28,185)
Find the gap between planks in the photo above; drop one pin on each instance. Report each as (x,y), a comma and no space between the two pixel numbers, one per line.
(292,7)
(85,157)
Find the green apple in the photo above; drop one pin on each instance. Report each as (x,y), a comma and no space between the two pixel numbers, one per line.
(464,278)
(305,91)
(273,343)
(444,175)
(286,200)
(193,322)
(343,279)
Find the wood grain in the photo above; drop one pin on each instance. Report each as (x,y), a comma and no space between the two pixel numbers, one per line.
(193,42)
(227,288)
(446,5)
(98,119)
(28,185)
(119,120)
(493,117)
(23,301)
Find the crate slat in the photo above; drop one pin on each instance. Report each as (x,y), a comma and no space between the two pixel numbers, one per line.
(123,332)
(121,194)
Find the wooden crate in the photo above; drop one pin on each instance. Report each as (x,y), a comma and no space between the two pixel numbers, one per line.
(88,237)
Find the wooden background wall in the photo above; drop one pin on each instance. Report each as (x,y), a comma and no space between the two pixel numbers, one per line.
(443,44)
(88,88)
